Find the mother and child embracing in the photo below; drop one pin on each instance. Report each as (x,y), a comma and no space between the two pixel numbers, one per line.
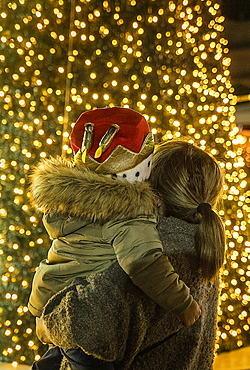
(131,280)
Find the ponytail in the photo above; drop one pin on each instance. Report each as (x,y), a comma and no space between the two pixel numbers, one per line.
(189,183)
(209,242)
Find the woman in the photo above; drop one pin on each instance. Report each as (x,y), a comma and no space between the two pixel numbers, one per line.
(110,318)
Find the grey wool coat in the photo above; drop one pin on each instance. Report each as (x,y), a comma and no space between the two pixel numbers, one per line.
(112,319)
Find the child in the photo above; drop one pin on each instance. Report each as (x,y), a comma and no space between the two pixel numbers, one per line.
(100,208)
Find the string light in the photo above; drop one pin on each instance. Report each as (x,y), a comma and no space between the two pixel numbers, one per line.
(168,60)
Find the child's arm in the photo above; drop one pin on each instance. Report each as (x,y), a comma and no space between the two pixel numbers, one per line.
(191,314)
(41,290)
(140,253)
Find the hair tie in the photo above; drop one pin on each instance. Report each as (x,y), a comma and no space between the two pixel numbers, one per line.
(203,207)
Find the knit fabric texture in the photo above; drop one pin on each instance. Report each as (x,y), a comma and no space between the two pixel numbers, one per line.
(112,319)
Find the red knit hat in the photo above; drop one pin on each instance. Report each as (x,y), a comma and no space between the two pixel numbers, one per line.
(125,133)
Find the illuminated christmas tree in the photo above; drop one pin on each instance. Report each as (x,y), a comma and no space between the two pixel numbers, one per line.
(165,59)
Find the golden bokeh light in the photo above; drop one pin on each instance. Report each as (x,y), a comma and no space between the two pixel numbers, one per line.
(168,60)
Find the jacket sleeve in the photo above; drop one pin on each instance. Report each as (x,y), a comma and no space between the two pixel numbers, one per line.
(49,279)
(140,254)
(41,290)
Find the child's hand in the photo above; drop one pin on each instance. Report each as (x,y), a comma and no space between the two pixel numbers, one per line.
(190,315)
(41,331)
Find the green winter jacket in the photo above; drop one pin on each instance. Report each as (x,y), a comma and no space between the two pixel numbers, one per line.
(92,221)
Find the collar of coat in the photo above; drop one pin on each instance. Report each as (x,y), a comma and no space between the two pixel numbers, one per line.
(58,187)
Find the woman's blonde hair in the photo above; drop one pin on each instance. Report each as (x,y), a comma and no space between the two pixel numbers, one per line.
(189,182)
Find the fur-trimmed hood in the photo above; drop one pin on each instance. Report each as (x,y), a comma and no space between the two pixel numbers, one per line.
(57,186)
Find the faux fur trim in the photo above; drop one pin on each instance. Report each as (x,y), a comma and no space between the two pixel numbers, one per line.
(59,187)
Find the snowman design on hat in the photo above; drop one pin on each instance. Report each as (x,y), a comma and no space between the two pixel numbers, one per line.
(115,142)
